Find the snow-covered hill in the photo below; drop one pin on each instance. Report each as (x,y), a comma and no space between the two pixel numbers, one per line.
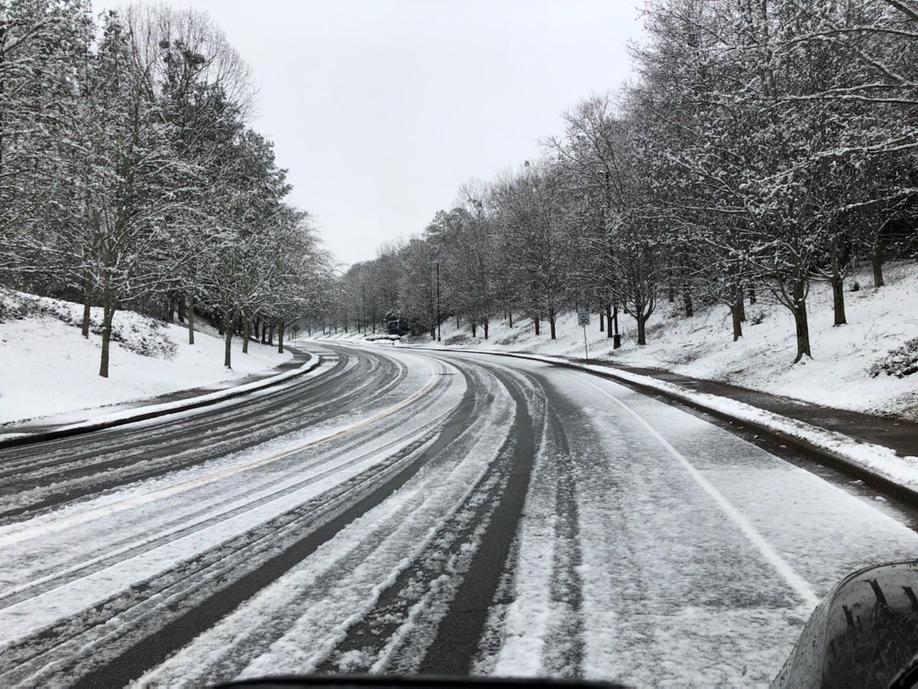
(879,322)
(47,367)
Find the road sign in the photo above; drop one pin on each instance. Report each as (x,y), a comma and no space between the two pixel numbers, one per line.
(583,320)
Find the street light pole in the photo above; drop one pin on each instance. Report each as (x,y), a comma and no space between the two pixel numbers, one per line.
(438,301)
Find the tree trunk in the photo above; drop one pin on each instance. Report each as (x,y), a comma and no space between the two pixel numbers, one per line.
(741,306)
(602,322)
(609,332)
(838,299)
(87,314)
(641,328)
(280,336)
(510,313)
(802,325)
(552,317)
(752,297)
(271,335)
(535,322)
(737,322)
(474,329)
(484,326)
(264,333)
(189,310)
(616,338)
(876,261)
(228,342)
(108,314)
(246,333)
(687,302)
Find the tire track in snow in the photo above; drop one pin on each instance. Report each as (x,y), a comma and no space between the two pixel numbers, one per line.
(315,604)
(439,383)
(563,646)
(408,611)
(188,524)
(223,592)
(158,494)
(182,448)
(98,635)
(460,631)
(535,624)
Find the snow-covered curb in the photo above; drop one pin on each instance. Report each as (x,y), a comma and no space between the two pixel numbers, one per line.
(126,416)
(876,462)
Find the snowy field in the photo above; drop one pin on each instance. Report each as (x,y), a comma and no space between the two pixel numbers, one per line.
(47,367)
(879,320)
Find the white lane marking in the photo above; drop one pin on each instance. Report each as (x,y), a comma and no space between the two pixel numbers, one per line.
(799,585)
(169,491)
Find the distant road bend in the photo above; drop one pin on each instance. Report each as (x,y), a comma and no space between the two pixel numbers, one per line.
(408,511)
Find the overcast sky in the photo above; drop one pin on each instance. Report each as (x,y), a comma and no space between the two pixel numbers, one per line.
(380,109)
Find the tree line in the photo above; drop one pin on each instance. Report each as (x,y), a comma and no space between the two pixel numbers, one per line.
(764,145)
(130,177)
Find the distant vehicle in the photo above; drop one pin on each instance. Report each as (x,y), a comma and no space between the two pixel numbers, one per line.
(864,635)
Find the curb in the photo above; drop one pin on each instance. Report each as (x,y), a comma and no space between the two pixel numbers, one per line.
(160,410)
(827,456)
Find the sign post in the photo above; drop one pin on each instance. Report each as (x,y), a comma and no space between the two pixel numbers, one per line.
(583,320)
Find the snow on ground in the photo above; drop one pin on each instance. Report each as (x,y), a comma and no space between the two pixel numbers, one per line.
(879,321)
(47,367)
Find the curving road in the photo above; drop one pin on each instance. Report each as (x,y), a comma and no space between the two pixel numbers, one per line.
(407,511)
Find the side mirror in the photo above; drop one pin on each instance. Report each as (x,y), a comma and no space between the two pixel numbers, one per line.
(864,635)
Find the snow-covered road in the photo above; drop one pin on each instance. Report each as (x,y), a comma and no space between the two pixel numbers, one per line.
(433,512)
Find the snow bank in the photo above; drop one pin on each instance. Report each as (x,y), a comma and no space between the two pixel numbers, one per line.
(880,321)
(47,367)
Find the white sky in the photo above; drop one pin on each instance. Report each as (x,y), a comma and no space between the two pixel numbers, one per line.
(382,108)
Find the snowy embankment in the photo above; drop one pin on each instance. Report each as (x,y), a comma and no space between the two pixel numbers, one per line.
(48,368)
(879,322)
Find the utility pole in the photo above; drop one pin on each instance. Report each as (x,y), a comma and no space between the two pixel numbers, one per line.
(438,301)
